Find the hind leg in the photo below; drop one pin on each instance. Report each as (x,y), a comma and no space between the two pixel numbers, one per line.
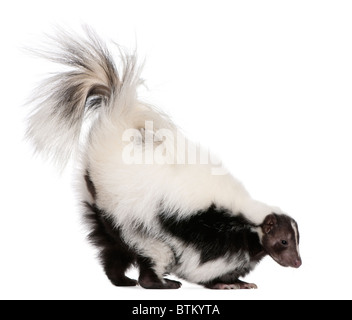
(116,262)
(149,279)
(115,256)
(155,259)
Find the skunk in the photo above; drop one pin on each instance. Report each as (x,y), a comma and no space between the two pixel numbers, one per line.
(164,209)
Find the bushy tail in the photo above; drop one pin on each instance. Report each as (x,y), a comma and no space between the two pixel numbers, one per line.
(91,83)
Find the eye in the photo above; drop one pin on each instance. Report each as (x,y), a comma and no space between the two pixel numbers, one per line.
(284,242)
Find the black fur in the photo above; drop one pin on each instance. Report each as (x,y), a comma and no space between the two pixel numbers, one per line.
(90,185)
(214,232)
(116,257)
(148,278)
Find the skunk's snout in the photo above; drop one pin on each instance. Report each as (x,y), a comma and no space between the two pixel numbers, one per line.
(297,263)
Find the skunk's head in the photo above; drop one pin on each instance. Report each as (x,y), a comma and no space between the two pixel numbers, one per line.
(280,239)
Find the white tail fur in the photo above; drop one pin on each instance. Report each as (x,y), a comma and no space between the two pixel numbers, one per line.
(92,82)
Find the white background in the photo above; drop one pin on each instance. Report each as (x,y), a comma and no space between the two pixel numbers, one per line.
(265,84)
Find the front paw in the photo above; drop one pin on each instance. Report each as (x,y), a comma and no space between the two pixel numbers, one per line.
(231,286)
(224,286)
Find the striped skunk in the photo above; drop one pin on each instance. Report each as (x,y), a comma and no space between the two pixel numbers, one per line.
(163,209)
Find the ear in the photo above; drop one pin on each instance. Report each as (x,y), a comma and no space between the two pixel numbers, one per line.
(269,223)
